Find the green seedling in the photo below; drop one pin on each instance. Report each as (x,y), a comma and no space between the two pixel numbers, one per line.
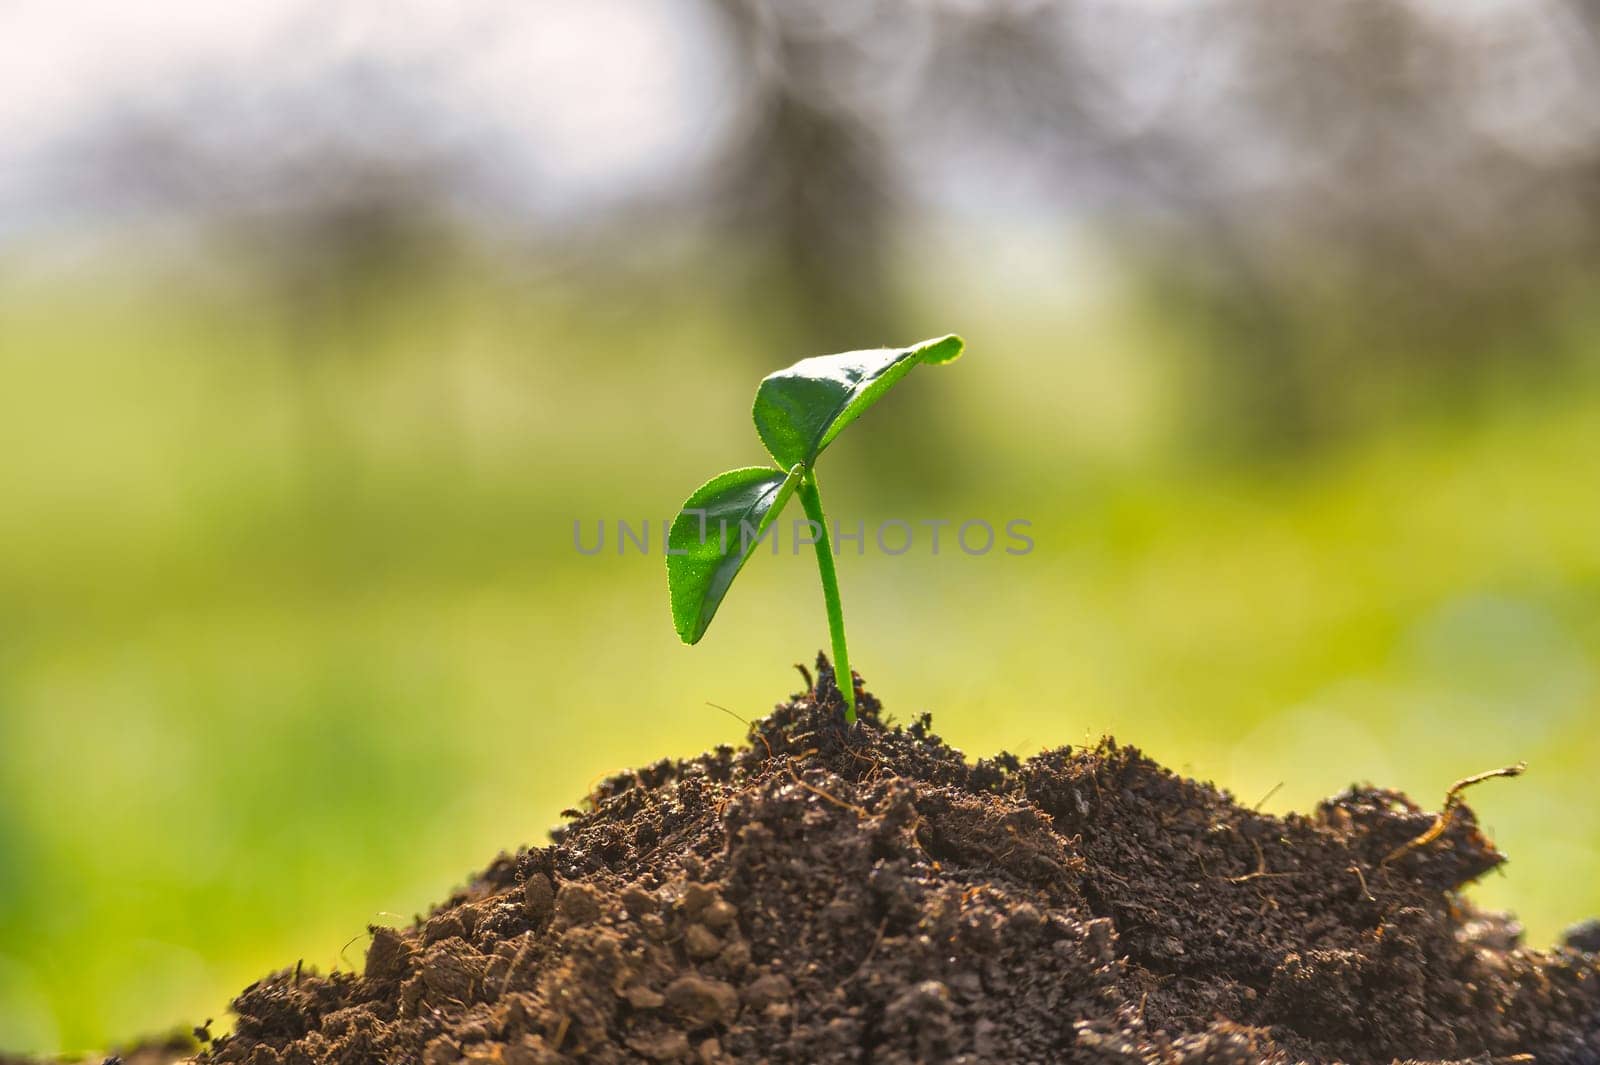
(798,413)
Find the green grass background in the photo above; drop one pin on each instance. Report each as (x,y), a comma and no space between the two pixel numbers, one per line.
(293,639)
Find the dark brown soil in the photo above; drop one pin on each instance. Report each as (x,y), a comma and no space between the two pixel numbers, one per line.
(829,895)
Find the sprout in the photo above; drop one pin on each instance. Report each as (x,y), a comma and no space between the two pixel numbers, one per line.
(798,413)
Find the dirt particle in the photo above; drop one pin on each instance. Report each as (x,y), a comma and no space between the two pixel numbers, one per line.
(763,991)
(531,1050)
(644,998)
(921,1016)
(538,897)
(701,942)
(451,972)
(653,927)
(451,924)
(720,915)
(701,1002)
(659,1043)
(442,1051)
(577,904)
(388,956)
(735,957)
(1584,936)
(696,897)
(637,901)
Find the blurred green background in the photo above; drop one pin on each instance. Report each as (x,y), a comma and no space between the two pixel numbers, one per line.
(1284,337)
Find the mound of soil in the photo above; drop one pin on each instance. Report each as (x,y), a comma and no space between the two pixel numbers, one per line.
(867,895)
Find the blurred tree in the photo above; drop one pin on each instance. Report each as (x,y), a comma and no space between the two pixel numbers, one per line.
(806,188)
(1341,210)
(339,229)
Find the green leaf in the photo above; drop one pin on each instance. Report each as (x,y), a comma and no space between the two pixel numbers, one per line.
(717,529)
(801,409)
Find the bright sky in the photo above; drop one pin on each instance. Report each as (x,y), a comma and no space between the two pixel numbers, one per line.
(577,105)
(598,95)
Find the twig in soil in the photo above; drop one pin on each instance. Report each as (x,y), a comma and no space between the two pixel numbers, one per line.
(860,811)
(748,726)
(1261,868)
(511,970)
(1270,793)
(878,768)
(805,674)
(877,939)
(1109,875)
(1362,877)
(346,947)
(1452,800)
(718,706)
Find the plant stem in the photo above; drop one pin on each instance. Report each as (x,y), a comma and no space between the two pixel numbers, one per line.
(811,499)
